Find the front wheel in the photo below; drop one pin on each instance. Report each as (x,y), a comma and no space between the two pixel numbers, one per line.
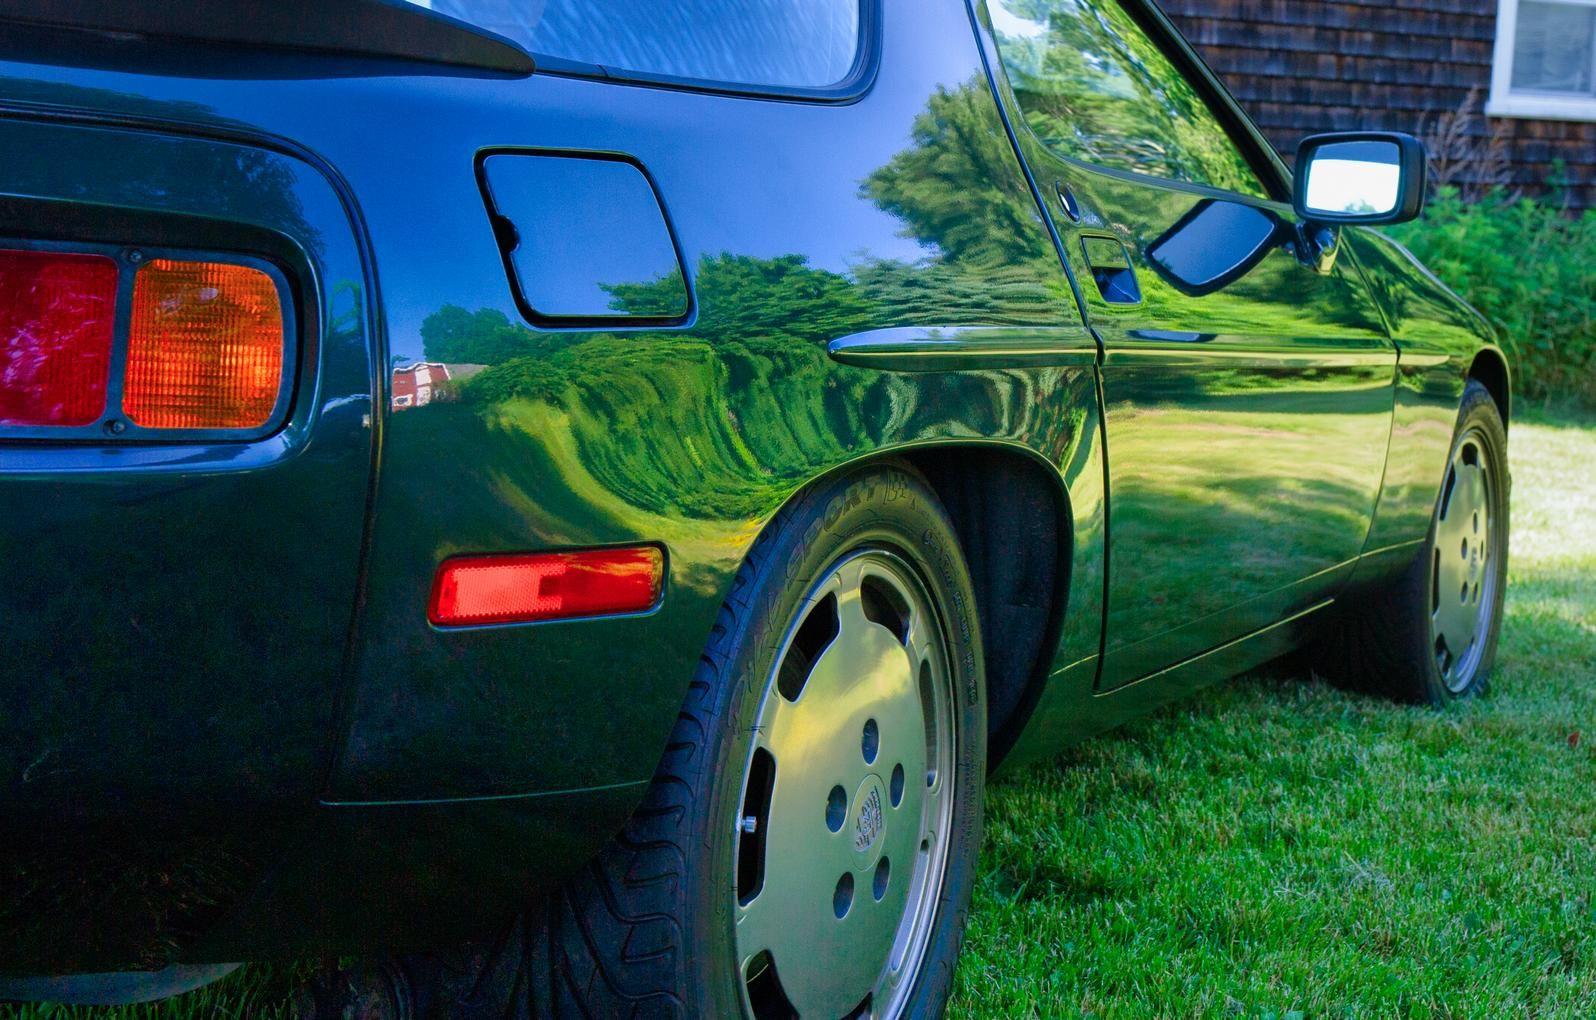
(1430,636)
(808,844)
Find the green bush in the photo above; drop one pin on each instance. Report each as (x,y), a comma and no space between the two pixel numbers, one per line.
(1529,268)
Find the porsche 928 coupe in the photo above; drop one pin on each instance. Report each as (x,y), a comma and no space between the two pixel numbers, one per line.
(572,500)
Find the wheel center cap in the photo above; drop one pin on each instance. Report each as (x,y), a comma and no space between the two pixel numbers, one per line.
(869,819)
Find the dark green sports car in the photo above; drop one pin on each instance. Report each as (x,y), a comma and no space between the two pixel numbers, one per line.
(572,499)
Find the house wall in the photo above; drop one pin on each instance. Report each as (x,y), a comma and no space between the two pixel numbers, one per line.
(1301,66)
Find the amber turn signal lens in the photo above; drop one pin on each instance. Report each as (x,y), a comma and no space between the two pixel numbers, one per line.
(205,347)
(57,310)
(475,590)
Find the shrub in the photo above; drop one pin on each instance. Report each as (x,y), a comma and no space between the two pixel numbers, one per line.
(1529,268)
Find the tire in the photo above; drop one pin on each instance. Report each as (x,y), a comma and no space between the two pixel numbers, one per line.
(1400,639)
(649,929)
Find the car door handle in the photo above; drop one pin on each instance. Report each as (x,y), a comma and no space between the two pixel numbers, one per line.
(1111,269)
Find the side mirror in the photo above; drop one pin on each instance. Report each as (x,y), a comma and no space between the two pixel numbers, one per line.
(1360,177)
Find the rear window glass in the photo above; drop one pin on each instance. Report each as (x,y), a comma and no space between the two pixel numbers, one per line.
(784,44)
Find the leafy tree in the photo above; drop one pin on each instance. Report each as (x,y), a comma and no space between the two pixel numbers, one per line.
(959,187)
(748,300)
(483,337)
(1093,85)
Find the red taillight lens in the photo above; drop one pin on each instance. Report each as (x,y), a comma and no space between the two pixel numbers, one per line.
(545,586)
(56,318)
(205,347)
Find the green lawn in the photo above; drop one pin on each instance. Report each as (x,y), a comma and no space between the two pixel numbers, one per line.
(1279,849)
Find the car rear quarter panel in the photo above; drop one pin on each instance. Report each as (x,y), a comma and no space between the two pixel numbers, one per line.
(798,223)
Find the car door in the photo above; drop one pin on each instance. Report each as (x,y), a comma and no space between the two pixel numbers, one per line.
(1247,391)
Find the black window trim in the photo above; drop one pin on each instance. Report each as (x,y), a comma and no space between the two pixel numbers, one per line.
(861,76)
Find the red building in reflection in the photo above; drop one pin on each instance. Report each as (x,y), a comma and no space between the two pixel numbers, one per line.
(414,384)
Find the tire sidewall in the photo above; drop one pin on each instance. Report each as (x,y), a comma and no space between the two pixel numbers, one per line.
(888,507)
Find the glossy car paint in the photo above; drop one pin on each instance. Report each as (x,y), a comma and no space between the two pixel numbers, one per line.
(1261,407)
(222,669)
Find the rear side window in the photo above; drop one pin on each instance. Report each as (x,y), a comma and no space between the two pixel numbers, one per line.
(1095,87)
(756,44)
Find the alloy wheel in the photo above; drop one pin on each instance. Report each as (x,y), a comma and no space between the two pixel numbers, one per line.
(1463,574)
(844,828)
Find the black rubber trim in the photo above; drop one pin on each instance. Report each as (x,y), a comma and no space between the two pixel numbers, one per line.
(373,28)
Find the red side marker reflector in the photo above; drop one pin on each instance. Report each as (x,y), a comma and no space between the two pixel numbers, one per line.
(57,311)
(473,590)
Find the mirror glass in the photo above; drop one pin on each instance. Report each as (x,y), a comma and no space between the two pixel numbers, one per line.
(1349,178)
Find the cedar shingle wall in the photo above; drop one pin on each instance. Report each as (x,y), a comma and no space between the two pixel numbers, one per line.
(1300,66)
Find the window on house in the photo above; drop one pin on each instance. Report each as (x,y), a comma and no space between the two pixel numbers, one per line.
(1545,60)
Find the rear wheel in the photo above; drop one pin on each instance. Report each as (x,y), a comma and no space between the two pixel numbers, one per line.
(1430,636)
(808,845)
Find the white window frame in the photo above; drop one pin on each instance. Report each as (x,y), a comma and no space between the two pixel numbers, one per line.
(1504,102)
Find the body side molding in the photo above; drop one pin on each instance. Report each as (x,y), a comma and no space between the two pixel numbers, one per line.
(965,348)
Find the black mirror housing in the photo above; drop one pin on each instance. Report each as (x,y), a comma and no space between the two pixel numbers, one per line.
(1408,157)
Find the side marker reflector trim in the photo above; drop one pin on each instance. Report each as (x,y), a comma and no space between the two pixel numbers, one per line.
(526,588)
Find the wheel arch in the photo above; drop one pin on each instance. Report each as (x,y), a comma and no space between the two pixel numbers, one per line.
(1490,369)
(1004,497)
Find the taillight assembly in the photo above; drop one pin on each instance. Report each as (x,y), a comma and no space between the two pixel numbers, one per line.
(526,588)
(122,344)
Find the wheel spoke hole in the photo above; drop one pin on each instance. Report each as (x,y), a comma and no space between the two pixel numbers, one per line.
(928,713)
(884,605)
(751,844)
(842,898)
(896,787)
(814,635)
(836,809)
(878,887)
(1465,549)
(870,742)
(765,993)
(1435,582)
